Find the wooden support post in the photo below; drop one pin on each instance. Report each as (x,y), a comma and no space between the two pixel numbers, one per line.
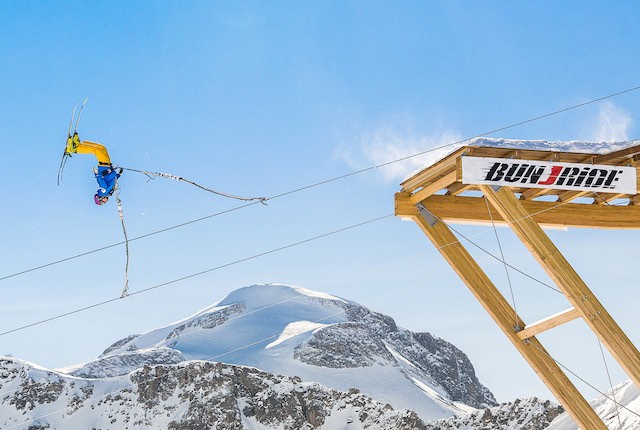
(563,274)
(506,318)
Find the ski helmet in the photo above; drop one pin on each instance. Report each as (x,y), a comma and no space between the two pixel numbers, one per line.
(96,198)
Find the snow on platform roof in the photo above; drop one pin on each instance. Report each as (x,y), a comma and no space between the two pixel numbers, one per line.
(579,146)
(540,146)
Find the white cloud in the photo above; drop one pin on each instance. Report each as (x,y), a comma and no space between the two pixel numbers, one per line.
(611,125)
(387,144)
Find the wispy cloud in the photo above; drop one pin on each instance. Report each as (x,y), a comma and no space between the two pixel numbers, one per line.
(612,124)
(387,144)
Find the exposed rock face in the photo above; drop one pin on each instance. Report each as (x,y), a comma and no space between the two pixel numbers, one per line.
(208,321)
(121,364)
(450,367)
(525,414)
(188,396)
(120,343)
(220,396)
(367,340)
(343,345)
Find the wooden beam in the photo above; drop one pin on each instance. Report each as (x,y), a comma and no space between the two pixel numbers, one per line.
(635,200)
(563,274)
(438,169)
(532,193)
(527,154)
(567,196)
(548,323)
(627,152)
(506,318)
(437,185)
(553,214)
(602,199)
(457,188)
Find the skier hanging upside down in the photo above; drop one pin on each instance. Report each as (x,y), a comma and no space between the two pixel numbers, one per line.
(105,173)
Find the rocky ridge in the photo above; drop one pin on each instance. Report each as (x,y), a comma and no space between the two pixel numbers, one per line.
(186,396)
(521,414)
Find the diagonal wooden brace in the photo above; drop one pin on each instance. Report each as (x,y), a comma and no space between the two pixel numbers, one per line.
(505,316)
(563,274)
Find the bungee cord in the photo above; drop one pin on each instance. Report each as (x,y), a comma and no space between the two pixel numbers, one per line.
(153,175)
(125,290)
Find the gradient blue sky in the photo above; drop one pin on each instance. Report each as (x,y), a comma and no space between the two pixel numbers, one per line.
(259,98)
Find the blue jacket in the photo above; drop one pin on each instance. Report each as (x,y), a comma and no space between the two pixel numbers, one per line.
(106,178)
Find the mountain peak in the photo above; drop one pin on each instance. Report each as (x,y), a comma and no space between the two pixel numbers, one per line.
(289,330)
(268,294)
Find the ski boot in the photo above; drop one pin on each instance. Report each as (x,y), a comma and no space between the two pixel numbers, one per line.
(72,144)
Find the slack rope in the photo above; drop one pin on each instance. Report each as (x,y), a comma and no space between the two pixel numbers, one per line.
(153,175)
(125,291)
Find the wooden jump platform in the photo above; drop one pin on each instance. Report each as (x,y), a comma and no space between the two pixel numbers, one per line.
(442,193)
(606,210)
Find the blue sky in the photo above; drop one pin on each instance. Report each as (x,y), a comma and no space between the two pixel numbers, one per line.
(259,98)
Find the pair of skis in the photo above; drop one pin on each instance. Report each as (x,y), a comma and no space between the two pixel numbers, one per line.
(70,136)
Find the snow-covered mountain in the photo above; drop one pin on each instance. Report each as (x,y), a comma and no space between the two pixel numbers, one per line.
(619,409)
(346,367)
(292,331)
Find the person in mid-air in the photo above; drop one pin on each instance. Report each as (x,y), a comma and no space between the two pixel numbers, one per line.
(105,173)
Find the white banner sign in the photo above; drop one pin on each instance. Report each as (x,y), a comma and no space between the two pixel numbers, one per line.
(545,174)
